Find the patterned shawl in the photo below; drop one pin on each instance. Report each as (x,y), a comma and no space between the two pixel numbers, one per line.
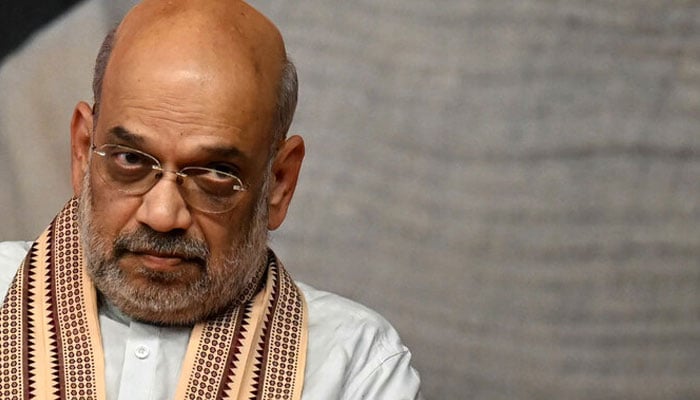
(51,345)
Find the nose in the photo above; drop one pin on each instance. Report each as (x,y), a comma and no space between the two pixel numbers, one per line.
(162,208)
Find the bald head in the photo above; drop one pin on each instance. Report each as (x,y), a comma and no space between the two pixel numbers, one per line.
(216,45)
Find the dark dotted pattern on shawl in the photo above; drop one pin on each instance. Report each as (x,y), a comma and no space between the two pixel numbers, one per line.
(212,368)
(210,363)
(77,349)
(285,342)
(10,370)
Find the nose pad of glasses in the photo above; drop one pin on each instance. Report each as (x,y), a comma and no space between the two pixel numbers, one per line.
(179,176)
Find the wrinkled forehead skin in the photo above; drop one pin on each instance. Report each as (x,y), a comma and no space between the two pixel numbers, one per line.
(224,53)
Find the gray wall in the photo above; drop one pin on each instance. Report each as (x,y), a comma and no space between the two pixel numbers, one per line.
(509,182)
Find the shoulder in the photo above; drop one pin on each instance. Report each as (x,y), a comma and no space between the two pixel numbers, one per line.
(353,352)
(11,256)
(329,304)
(346,319)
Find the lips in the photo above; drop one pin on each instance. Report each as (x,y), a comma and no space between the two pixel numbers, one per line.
(164,262)
(161,264)
(157,251)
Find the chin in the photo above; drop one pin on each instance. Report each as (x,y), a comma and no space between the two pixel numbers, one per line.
(187,316)
(164,311)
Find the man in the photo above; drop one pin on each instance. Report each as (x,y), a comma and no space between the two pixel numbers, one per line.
(155,281)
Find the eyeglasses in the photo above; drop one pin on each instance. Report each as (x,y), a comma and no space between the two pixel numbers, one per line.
(133,172)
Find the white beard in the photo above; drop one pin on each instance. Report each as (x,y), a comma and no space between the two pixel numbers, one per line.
(214,290)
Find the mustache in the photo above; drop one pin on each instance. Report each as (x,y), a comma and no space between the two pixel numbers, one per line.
(146,240)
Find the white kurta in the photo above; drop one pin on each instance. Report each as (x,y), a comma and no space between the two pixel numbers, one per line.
(353,353)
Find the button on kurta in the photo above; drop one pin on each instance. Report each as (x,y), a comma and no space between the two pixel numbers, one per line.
(142,352)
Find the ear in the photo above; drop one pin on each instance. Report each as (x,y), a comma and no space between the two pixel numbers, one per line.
(80,141)
(285,171)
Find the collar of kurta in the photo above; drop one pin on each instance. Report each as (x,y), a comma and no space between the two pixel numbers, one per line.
(51,345)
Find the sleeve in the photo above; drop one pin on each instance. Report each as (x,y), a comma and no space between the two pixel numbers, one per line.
(354,353)
(11,256)
(393,379)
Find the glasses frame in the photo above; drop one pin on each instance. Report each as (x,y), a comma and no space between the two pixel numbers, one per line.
(181,175)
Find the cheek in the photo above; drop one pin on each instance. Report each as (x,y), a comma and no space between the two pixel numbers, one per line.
(220,237)
(112,214)
(223,233)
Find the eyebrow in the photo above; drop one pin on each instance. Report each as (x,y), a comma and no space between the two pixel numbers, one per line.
(133,139)
(125,135)
(223,152)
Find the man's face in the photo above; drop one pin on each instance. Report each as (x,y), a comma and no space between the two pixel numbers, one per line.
(153,255)
(198,284)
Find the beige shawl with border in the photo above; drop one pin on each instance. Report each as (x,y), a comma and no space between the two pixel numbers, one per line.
(50,334)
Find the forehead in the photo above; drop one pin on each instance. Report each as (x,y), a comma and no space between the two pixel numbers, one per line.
(181,91)
(187,66)
(192,83)
(181,119)
(222,52)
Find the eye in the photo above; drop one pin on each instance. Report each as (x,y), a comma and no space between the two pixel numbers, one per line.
(130,159)
(123,164)
(224,169)
(215,180)
(222,172)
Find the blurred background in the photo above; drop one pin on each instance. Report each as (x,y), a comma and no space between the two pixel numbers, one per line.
(512,184)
